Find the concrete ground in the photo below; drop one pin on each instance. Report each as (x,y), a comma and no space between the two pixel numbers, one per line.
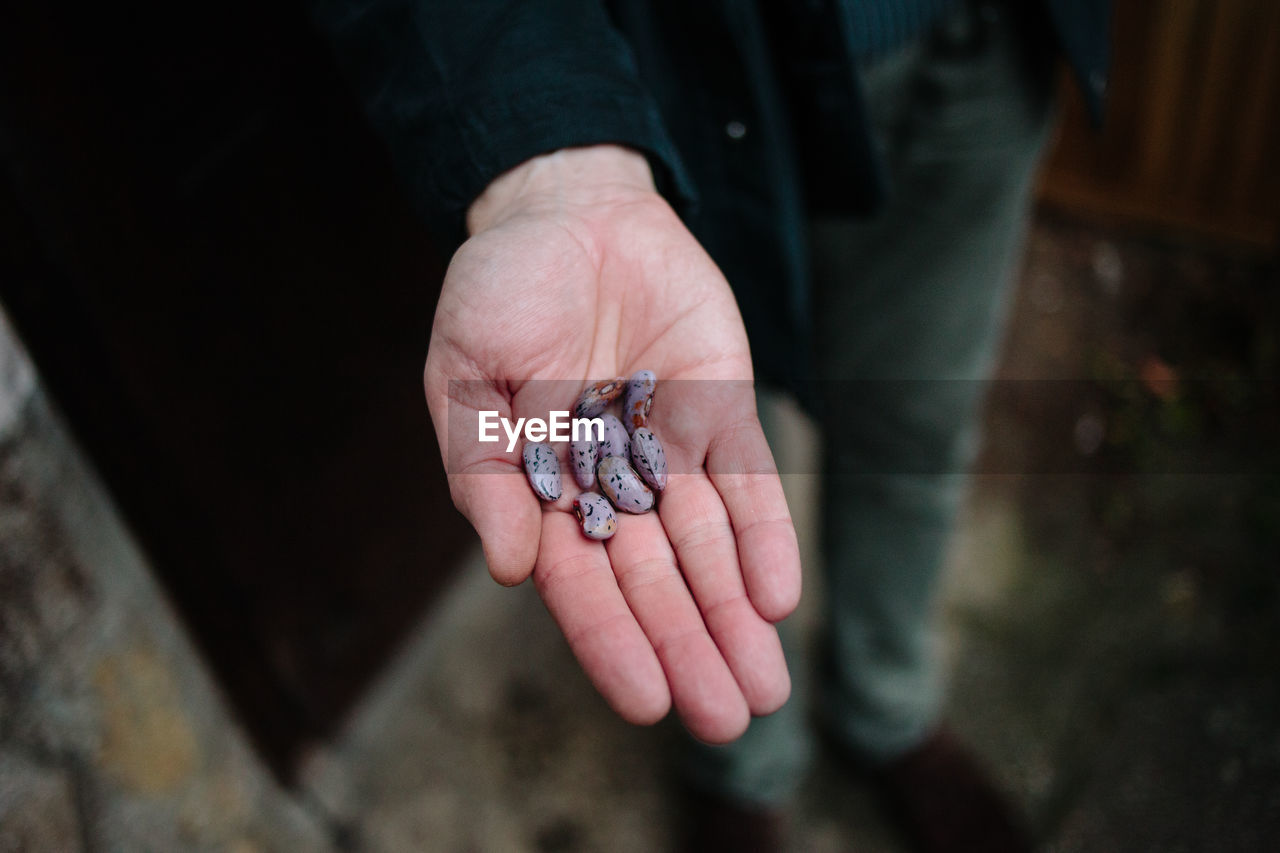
(1110,608)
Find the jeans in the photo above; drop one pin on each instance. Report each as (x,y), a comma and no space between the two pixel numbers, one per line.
(909,309)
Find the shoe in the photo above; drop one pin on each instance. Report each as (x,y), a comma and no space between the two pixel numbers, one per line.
(719,825)
(944,802)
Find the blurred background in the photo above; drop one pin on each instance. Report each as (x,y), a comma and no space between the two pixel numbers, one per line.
(237,609)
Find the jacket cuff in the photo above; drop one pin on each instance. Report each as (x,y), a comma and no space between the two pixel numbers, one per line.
(497,139)
(463,91)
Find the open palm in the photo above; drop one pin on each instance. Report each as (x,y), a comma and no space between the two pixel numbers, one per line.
(676,608)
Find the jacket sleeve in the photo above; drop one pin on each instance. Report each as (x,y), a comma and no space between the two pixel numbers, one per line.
(462,90)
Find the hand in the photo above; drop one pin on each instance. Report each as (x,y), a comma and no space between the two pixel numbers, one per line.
(577,269)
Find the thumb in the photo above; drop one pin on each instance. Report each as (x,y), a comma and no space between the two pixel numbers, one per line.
(486,482)
(496,499)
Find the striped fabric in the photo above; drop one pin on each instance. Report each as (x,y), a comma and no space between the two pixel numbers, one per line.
(879,26)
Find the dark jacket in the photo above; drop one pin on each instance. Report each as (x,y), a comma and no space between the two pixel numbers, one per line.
(463,90)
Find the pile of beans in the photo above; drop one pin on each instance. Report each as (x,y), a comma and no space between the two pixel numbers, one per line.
(628,465)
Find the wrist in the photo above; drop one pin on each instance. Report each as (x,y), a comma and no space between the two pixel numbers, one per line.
(567,178)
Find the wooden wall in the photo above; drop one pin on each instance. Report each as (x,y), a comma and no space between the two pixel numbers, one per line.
(1192,128)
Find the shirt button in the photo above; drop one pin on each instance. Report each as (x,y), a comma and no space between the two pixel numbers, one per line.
(735,130)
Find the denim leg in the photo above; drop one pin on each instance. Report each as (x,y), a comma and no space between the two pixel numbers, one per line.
(910,309)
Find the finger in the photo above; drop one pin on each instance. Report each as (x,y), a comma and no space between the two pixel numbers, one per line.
(578,586)
(487,482)
(698,526)
(703,690)
(741,468)
(495,497)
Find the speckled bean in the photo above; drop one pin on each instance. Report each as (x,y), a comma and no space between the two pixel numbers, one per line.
(595,515)
(583,456)
(639,399)
(595,398)
(543,469)
(648,458)
(615,441)
(622,486)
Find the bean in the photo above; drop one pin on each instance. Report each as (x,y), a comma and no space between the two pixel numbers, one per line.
(623,487)
(615,441)
(584,455)
(639,399)
(595,515)
(595,398)
(648,458)
(543,469)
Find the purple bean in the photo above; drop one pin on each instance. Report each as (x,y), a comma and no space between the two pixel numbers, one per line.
(615,441)
(623,487)
(543,469)
(595,398)
(584,455)
(648,458)
(595,515)
(639,399)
